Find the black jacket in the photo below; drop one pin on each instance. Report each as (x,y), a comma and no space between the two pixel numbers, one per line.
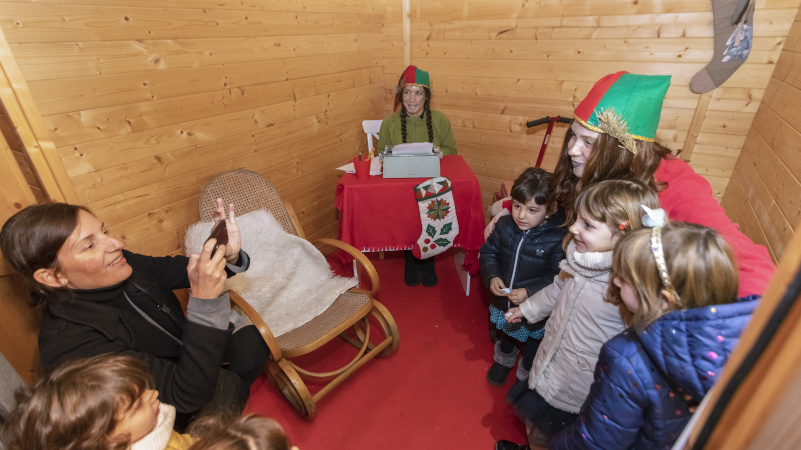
(537,253)
(184,357)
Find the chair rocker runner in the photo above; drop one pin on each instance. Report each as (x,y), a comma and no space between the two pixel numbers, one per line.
(347,317)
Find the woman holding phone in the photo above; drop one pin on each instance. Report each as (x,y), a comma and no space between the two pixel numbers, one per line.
(98,298)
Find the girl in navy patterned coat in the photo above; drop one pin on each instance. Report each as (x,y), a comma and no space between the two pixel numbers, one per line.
(519,258)
(680,284)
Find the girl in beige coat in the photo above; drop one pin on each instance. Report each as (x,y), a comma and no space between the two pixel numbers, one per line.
(580,320)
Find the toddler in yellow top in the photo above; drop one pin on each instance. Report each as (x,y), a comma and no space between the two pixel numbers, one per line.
(100,402)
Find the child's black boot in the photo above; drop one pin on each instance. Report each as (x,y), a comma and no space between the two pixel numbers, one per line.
(505,357)
(503,444)
(497,374)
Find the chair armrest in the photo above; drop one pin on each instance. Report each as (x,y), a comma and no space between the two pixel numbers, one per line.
(264,330)
(358,256)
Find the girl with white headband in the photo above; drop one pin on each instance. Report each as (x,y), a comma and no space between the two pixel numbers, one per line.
(679,283)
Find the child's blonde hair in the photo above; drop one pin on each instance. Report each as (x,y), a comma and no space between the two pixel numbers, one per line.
(700,269)
(617,203)
(250,432)
(78,405)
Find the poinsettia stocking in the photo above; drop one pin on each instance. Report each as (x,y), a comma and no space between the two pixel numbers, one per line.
(438,216)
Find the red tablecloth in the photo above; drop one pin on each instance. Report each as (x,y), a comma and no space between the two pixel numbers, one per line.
(381,214)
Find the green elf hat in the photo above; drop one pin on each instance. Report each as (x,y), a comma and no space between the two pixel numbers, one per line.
(414,76)
(626,106)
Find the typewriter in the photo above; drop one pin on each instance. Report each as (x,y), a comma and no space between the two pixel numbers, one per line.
(416,160)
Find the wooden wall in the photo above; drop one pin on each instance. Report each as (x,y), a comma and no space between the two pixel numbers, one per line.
(146,101)
(764,194)
(496,64)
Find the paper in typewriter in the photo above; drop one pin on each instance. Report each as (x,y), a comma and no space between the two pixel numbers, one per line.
(416,148)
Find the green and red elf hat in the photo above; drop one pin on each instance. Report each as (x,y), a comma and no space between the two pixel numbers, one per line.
(626,106)
(411,76)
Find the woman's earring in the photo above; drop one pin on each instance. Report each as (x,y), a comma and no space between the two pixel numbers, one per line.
(63,282)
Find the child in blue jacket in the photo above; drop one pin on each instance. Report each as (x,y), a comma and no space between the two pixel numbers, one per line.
(520,257)
(680,284)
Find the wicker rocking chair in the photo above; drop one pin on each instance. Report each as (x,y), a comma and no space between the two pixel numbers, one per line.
(347,317)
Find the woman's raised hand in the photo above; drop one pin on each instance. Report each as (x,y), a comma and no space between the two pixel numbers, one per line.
(234,238)
(207,273)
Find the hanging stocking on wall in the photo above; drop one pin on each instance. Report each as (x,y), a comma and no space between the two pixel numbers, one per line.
(438,215)
(733,22)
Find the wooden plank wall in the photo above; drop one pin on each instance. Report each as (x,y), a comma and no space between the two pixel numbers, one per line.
(764,194)
(147,100)
(496,64)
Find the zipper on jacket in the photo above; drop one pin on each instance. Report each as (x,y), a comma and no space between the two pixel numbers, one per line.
(514,268)
(151,320)
(159,305)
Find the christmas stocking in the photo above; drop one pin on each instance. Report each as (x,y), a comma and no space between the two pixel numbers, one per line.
(733,21)
(438,215)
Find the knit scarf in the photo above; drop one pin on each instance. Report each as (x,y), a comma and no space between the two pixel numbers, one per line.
(158,438)
(586,265)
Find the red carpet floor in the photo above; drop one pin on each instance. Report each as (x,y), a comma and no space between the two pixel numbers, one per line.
(431,394)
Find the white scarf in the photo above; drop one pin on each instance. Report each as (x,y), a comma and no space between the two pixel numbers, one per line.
(158,438)
(588,264)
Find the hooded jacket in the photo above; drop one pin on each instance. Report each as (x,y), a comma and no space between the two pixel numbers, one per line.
(580,323)
(638,397)
(522,259)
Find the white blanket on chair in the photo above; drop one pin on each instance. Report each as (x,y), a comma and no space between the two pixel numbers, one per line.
(289,281)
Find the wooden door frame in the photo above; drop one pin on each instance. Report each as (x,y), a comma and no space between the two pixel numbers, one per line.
(39,147)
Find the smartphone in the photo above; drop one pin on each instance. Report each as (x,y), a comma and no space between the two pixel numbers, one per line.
(506,290)
(219,232)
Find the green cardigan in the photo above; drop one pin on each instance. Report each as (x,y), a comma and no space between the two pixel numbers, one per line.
(417,131)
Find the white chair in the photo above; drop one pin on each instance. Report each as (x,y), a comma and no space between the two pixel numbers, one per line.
(371,128)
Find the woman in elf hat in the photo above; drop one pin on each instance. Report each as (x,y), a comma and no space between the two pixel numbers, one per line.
(613,137)
(415,121)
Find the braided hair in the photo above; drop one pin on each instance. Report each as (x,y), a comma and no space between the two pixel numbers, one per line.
(426,113)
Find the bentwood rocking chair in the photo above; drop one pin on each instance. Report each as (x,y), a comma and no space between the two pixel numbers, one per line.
(346,318)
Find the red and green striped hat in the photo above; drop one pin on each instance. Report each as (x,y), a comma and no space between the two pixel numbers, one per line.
(414,76)
(626,106)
